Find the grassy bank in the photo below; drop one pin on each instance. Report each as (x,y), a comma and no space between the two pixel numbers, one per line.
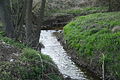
(76,11)
(93,39)
(28,65)
(85,10)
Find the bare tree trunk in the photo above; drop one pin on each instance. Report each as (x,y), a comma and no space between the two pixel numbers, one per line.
(2,16)
(40,21)
(110,5)
(32,39)
(6,18)
(28,21)
(18,18)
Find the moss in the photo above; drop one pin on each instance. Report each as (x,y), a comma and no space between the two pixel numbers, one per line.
(91,36)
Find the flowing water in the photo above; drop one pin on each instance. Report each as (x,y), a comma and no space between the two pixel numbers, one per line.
(53,48)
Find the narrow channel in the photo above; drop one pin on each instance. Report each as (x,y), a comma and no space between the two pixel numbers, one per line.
(54,49)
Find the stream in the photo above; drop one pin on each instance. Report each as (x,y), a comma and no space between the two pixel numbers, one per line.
(65,65)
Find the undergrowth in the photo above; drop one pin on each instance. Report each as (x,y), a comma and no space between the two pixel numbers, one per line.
(30,65)
(77,11)
(84,11)
(91,36)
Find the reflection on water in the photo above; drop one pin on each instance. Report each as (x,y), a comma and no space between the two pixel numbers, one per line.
(59,56)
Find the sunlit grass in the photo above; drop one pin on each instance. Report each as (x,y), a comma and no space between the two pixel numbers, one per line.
(92,36)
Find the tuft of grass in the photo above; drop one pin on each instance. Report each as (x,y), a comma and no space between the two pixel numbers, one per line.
(31,55)
(1,24)
(92,36)
(11,42)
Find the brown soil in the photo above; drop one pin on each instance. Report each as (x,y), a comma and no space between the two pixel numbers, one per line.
(8,52)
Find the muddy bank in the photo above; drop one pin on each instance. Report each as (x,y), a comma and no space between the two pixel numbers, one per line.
(91,68)
(8,52)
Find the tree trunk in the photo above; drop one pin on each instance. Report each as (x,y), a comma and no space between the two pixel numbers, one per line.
(110,6)
(19,11)
(2,16)
(6,18)
(28,21)
(39,23)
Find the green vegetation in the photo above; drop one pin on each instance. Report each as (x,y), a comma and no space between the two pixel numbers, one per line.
(92,36)
(11,42)
(77,11)
(30,65)
(1,23)
(86,10)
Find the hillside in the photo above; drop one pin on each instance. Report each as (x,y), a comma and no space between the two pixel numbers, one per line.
(96,40)
(18,61)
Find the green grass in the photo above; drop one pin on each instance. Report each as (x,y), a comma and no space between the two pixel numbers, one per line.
(78,11)
(11,42)
(91,36)
(1,27)
(1,24)
(31,64)
(86,10)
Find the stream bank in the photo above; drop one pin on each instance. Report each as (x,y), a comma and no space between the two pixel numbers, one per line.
(18,62)
(66,66)
(80,62)
(96,41)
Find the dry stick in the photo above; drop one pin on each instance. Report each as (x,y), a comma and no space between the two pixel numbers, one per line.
(48,77)
(41,63)
(103,67)
(35,5)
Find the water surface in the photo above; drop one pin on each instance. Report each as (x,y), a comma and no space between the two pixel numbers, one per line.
(53,48)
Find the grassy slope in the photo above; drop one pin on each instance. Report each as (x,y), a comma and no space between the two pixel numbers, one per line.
(92,38)
(31,65)
(84,11)
(76,11)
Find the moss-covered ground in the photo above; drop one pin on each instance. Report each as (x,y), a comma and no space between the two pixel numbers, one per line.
(92,37)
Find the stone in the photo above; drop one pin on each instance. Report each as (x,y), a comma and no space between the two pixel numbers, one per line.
(116,29)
